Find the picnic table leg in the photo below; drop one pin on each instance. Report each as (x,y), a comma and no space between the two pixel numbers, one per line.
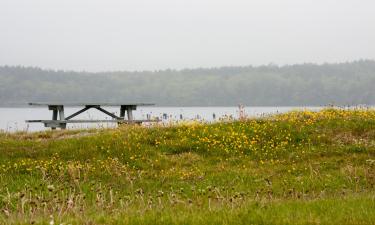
(57,110)
(129,111)
(122,113)
(62,116)
(54,116)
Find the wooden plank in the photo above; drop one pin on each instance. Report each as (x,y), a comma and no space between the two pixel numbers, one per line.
(78,112)
(88,104)
(90,121)
(55,107)
(108,113)
(55,125)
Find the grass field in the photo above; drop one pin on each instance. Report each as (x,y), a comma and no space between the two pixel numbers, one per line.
(295,168)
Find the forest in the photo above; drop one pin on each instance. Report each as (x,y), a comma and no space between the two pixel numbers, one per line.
(349,83)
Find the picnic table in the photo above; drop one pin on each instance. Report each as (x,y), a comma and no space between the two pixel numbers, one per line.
(59,120)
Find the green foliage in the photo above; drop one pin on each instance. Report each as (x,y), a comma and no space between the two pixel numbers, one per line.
(306,84)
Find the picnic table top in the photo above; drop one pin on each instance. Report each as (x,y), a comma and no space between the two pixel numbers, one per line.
(91,121)
(88,104)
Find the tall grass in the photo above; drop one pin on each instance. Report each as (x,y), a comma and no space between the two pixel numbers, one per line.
(295,168)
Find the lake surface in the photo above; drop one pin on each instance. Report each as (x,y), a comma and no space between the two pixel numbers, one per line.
(13,119)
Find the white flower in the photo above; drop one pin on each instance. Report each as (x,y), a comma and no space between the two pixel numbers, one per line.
(50,187)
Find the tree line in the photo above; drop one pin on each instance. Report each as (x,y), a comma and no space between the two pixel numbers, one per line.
(349,83)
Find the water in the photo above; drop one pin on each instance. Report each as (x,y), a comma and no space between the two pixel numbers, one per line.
(13,119)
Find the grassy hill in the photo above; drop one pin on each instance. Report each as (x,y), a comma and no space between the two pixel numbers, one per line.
(295,168)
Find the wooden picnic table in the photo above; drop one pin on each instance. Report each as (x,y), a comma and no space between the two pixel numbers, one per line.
(59,120)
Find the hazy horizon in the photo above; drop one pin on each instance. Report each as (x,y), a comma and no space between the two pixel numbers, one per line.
(308,84)
(193,68)
(111,35)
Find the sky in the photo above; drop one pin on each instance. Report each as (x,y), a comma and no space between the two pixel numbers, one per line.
(108,35)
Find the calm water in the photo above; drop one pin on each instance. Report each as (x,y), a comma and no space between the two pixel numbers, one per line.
(13,119)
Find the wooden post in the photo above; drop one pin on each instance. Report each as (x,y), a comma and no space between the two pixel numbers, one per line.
(122,111)
(61,112)
(62,116)
(57,110)
(54,116)
(129,111)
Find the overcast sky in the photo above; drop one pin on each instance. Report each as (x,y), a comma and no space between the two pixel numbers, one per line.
(98,35)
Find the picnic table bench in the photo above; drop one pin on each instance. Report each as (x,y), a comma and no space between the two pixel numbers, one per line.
(59,120)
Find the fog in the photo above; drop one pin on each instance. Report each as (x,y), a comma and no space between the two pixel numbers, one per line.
(100,35)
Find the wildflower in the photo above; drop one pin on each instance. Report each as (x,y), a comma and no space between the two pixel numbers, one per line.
(51,222)
(50,187)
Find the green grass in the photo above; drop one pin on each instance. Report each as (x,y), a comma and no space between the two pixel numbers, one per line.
(295,168)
